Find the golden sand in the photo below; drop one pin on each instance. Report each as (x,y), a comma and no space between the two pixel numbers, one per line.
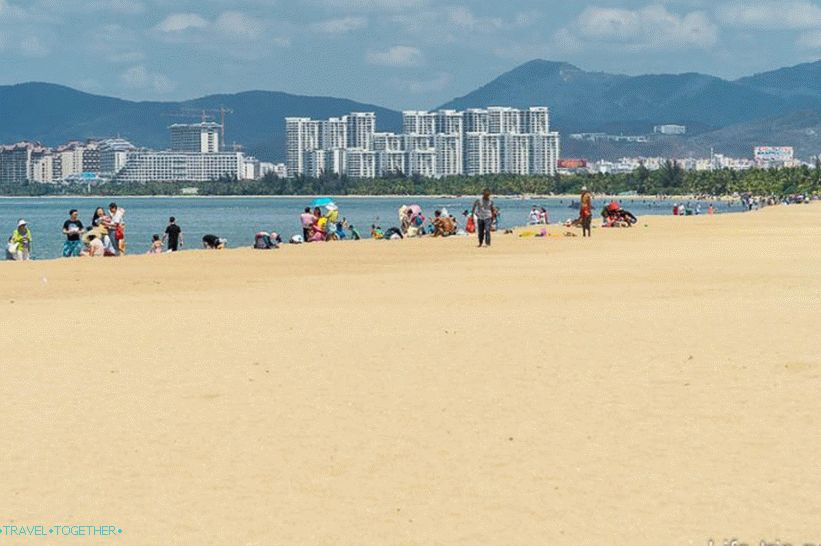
(658,385)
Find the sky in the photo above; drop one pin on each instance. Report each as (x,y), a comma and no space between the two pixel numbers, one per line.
(393,53)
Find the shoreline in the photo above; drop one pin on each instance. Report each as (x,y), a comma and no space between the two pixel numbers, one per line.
(557,226)
(381,197)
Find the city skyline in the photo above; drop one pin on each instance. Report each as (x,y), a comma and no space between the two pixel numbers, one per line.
(392,53)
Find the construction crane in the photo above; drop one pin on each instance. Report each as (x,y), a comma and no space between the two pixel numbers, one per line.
(205,114)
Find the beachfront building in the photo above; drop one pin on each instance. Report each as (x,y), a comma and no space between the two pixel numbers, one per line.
(302,136)
(196,137)
(334,134)
(360,163)
(361,127)
(150,166)
(449,158)
(418,123)
(114,155)
(483,154)
(494,140)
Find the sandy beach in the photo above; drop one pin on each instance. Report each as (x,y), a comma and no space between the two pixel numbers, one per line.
(655,385)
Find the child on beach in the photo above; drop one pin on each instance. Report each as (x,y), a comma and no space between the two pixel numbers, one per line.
(156,245)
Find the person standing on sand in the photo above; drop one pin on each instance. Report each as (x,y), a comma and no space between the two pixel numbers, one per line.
(20,242)
(173,234)
(72,229)
(586,212)
(485,210)
(116,230)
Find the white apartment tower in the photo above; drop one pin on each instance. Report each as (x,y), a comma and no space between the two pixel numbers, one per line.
(360,163)
(536,120)
(334,134)
(449,122)
(361,127)
(504,120)
(516,155)
(545,154)
(302,136)
(417,122)
(483,154)
(495,140)
(476,121)
(203,138)
(449,158)
(422,163)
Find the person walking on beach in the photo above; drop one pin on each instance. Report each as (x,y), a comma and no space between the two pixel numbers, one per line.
(586,212)
(20,242)
(73,229)
(173,235)
(485,210)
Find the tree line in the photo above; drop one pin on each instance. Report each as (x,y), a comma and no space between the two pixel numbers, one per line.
(670,179)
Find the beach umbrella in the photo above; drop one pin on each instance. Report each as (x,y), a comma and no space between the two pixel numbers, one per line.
(322,202)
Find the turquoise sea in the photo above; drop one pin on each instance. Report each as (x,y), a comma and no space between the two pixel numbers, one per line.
(238,219)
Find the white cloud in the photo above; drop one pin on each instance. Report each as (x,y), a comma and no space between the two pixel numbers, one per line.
(790,14)
(651,27)
(139,77)
(396,56)
(177,22)
(340,26)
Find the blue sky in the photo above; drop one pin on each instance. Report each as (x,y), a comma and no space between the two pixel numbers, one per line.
(396,53)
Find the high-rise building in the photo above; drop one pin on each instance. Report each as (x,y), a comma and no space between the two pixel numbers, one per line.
(483,154)
(449,158)
(516,153)
(476,121)
(360,163)
(498,139)
(201,138)
(334,134)
(316,164)
(504,120)
(544,156)
(536,120)
(302,135)
(390,142)
(114,155)
(422,163)
(449,122)
(361,127)
(391,163)
(418,122)
(15,162)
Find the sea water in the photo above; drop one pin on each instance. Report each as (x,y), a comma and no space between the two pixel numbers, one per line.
(239,218)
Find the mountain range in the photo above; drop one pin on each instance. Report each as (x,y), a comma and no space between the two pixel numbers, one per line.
(781,107)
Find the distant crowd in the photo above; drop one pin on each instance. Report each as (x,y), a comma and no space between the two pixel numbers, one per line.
(105,234)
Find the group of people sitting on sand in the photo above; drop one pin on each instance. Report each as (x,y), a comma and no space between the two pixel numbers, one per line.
(320,227)
(413,223)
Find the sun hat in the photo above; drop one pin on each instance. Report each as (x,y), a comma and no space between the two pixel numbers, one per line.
(22,222)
